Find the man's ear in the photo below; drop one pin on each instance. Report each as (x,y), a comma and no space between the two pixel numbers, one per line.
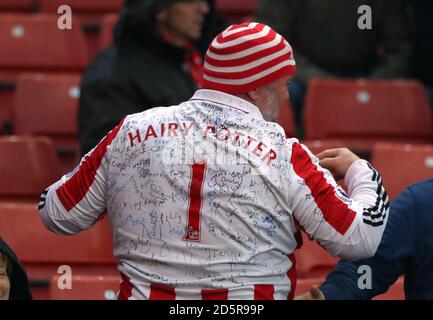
(254,95)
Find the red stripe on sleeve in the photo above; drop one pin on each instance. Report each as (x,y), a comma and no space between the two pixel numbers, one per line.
(161,292)
(125,288)
(292,275)
(335,212)
(216,294)
(263,292)
(76,188)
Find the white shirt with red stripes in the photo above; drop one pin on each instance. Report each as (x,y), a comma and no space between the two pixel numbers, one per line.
(205,201)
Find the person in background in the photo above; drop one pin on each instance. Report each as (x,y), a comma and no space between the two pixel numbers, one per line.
(330,44)
(406,250)
(423,12)
(154,61)
(13,279)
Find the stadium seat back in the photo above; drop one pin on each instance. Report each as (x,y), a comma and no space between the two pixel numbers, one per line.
(90,13)
(35,244)
(303,285)
(47,105)
(395,292)
(81,5)
(25,47)
(238,10)
(16,5)
(85,287)
(359,111)
(312,260)
(402,165)
(28,165)
(43,252)
(318,146)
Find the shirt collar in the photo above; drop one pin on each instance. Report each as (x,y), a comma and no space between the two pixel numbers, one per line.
(227,100)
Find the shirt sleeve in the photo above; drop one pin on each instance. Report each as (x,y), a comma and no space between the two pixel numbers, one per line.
(394,254)
(348,226)
(78,199)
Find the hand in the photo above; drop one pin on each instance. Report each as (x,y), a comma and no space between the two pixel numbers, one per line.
(314,294)
(337,161)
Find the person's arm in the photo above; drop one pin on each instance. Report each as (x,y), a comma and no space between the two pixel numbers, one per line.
(390,261)
(78,199)
(347,226)
(391,23)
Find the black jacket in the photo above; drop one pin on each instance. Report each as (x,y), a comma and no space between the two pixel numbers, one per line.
(423,11)
(138,72)
(327,41)
(20,289)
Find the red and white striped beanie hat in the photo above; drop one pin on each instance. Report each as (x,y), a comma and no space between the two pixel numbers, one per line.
(247,56)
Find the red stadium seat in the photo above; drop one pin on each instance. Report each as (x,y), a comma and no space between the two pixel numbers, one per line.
(86,288)
(28,165)
(47,105)
(25,47)
(237,10)
(42,252)
(51,6)
(286,120)
(318,146)
(402,165)
(395,292)
(312,260)
(304,285)
(17,5)
(34,244)
(90,13)
(107,25)
(361,112)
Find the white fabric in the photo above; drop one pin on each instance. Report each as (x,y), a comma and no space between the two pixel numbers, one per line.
(249,201)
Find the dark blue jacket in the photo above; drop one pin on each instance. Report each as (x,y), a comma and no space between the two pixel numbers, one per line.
(406,249)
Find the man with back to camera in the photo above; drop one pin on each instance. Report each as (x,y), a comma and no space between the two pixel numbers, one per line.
(206,199)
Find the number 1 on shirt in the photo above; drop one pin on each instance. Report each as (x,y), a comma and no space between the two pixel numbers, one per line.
(192,232)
